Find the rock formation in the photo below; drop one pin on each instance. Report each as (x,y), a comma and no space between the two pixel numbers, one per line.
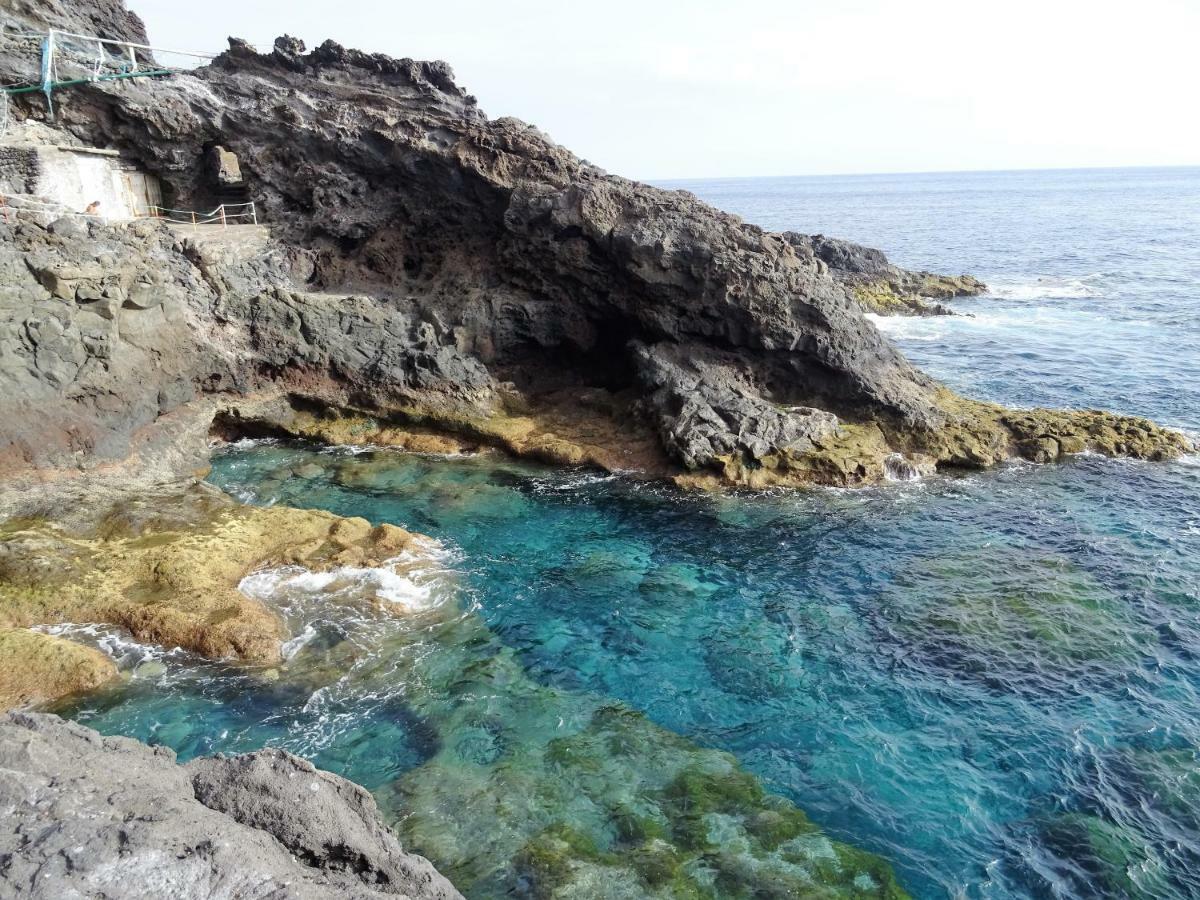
(93,816)
(165,567)
(434,272)
(427,278)
(881,287)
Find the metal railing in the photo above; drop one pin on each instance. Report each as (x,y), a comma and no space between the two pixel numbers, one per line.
(69,59)
(224,215)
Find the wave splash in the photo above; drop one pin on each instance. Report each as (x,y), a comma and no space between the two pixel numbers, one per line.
(1044,287)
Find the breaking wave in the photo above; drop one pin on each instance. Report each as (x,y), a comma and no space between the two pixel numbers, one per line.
(1044,287)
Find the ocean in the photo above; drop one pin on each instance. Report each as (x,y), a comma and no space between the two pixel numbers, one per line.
(991,679)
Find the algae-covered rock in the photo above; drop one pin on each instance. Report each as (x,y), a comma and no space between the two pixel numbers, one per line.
(166,567)
(881,287)
(590,799)
(1019,613)
(1099,858)
(36,667)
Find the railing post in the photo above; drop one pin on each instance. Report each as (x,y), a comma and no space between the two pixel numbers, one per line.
(133,58)
(193,221)
(253,213)
(48,69)
(221,209)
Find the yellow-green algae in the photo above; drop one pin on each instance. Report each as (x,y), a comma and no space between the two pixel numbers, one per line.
(970,434)
(166,568)
(36,667)
(600,429)
(908,295)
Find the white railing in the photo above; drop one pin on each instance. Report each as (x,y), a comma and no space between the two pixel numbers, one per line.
(225,214)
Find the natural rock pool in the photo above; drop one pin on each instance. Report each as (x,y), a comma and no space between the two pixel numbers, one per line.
(988,680)
(991,680)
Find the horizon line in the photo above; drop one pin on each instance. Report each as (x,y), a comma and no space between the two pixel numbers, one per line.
(657,180)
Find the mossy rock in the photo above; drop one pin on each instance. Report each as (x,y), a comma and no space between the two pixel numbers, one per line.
(36,668)
(1102,859)
(1010,608)
(547,860)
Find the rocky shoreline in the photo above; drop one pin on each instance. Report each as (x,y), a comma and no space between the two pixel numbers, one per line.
(428,270)
(87,815)
(424,278)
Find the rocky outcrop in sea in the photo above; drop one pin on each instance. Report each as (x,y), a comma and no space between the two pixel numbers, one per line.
(422,268)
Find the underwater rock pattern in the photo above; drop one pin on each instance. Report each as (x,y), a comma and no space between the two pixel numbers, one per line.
(510,786)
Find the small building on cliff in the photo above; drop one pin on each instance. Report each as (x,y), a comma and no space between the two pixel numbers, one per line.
(75,177)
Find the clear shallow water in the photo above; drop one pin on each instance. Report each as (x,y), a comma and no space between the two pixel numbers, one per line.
(991,680)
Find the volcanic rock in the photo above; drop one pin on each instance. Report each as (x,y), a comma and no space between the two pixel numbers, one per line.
(94,816)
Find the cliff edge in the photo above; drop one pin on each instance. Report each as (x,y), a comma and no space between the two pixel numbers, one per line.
(432,272)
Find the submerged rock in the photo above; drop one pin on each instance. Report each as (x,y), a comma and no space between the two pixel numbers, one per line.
(87,815)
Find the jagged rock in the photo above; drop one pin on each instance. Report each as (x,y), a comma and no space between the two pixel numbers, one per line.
(94,816)
(225,168)
(880,286)
(429,267)
(707,410)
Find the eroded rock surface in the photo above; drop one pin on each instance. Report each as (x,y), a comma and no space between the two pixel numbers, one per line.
(165,567)
(881,287)
(36,667)
(433,272)
(93,816)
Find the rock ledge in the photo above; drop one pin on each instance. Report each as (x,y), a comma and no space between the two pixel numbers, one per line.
(94,816)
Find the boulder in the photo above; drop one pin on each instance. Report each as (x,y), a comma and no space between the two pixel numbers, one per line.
(94,816)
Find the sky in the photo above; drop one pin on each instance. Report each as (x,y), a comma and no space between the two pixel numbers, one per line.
(696,89)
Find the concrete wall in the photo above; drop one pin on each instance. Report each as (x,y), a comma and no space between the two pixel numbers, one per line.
(76,178)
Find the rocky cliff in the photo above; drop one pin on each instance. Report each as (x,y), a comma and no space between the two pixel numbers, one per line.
(430,269)
(93,816)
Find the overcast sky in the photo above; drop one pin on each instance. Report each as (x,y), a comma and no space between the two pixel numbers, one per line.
(658,90)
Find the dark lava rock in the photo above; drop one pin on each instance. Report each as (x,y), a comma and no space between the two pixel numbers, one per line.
(109,817)
(429,267)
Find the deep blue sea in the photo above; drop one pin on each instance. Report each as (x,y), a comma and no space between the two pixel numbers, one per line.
(991,679)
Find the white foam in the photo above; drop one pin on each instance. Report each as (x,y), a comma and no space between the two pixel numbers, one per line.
(1043,287)
(118,645)
(290,648)
(911,328)
(574,482)
(897,467)
(411,579)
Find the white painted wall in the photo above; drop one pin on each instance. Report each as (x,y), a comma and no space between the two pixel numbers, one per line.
(76,179)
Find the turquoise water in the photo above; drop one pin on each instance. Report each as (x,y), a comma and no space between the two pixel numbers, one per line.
(991,680)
